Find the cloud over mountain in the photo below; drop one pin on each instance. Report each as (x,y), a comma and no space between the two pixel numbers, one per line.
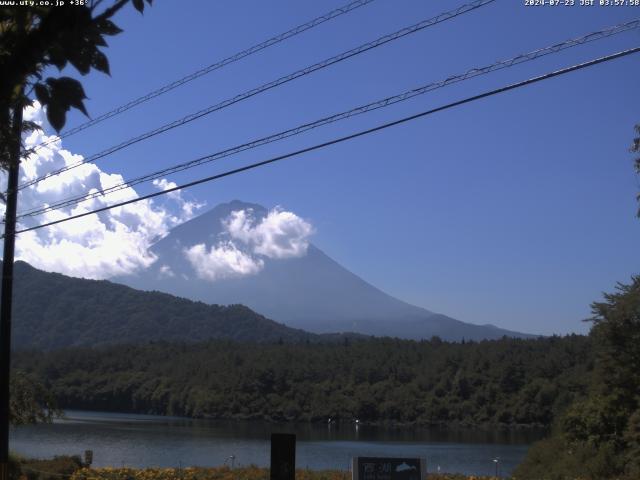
(110,243)
(221,261)
(244,241)
(278,235)
(244,253)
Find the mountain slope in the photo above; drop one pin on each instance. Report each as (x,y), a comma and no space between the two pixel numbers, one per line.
(312,292)
(51,310)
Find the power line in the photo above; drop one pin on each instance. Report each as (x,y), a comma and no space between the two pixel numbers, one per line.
(347,137)
(474,72)
(210,68)
(285,79)
(275,83)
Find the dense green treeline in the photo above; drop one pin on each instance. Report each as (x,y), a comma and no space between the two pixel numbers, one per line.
(598,436)
(508,381)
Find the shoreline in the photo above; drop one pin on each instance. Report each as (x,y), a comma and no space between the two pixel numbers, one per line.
(480,427)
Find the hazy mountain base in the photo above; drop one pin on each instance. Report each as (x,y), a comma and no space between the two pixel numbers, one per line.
(502,382)
(52,311)
(312,291)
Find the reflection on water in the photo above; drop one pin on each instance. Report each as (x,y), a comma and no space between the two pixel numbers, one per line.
(149,440)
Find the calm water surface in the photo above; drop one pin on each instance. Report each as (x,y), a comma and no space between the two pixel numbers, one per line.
(148,440)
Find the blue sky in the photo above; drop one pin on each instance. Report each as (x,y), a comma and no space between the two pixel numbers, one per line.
(517,210)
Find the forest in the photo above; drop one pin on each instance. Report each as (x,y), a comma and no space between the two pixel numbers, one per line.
(52,311)
(598,436)
(586,389)
(500,382)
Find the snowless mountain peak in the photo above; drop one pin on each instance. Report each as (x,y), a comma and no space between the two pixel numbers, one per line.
(244,253)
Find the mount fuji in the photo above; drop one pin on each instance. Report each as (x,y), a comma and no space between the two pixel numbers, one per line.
(242,253)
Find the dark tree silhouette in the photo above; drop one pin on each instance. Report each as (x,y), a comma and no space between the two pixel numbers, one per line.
(635,148)
(32,39)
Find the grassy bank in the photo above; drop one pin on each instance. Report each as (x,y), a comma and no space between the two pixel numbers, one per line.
(57,468)
(70,468)
(223,473)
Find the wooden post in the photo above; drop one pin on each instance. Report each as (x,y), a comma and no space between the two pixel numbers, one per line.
(283,456)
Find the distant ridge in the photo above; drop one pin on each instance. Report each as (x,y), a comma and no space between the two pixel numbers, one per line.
(52,311)
(312,292)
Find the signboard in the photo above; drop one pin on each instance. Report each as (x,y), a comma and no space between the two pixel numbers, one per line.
(283,456)
(381,468)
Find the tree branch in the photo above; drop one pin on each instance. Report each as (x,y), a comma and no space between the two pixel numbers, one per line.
(111,11)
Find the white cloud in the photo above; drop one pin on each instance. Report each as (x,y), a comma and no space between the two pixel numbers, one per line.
(116,242)
(101,245)
(164,184)
(166,272)
(188,208)
(222,261)
(279,234)
(244,241)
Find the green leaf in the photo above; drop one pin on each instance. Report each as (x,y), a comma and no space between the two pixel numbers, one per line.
(96,38)
(100,62)
(67,92)
(139,5)
(107,27)
(56,115)
(81,59)
(79,104)
(42,93)
(66,86)
(57,56)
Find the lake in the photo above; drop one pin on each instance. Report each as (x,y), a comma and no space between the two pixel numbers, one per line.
(149,440)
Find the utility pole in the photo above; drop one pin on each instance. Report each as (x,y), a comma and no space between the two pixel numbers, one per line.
(7,282)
